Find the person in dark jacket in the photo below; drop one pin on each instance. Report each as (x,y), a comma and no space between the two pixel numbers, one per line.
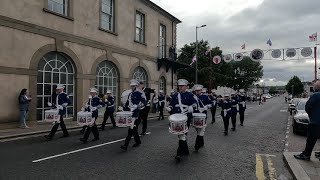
(24,101)
(143,115)
(109,102)
(313,109)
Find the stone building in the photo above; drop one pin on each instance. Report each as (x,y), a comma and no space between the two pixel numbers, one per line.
(80,44)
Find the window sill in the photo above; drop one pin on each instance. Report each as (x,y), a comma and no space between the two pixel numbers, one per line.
(140,42)
(110,32)
(57,14)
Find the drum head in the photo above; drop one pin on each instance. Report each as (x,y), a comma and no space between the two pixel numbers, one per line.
(178,117)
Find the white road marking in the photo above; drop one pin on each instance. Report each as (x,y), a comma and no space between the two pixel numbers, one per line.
(283,110)
(79,150)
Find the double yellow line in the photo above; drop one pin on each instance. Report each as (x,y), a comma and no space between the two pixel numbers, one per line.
(260,170)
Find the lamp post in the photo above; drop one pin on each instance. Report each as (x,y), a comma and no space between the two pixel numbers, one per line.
(197,51)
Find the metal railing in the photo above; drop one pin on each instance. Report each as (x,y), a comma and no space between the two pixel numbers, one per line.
(167,52)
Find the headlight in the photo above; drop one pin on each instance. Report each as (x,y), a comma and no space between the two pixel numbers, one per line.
(303,120)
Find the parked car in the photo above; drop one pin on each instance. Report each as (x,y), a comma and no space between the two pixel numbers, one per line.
(300,118)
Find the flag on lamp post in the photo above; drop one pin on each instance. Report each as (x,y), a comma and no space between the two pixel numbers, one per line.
(313,37)
(208,51)
(194,59)
(269,42)
(243,46)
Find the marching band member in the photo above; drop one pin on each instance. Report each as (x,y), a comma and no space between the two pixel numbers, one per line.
(145,111)
(136,101)
(92,106)
(213,109)
(182,102)
(169,97)
(109,102)
(234,111)
(203,103)
(161,104)
(226,112)
(242,106)
(61,102)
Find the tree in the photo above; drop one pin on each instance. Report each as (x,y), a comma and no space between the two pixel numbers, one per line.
(222,74)
(295,86)
(273,90)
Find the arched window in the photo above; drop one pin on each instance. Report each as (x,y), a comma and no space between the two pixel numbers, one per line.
(141,75)
(54,68)
(162,84)
(107,78)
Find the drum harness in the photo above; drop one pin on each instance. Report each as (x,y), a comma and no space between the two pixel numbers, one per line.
(198,105)
(225,111)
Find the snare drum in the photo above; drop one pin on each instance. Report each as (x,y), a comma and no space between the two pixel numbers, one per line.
(84,118)
(52,115)
(124,119)
(199,120)
(178,124)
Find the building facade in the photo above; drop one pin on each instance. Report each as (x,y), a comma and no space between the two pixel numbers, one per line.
(81,44)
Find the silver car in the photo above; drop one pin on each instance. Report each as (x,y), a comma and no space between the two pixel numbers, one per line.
(300,118)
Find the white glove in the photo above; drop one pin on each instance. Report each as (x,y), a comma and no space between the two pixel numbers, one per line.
(205,108)
(134,107)
(190,109)
(93,108)
(168,109)
(65,104)
(50,104)
(60,107)
(120,108)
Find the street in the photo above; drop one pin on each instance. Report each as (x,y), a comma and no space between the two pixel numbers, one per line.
(253,151)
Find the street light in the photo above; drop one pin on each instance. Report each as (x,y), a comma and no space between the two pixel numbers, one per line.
(197,50)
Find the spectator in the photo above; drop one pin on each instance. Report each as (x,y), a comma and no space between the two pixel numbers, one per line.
(155,102)
(313,109)
(24,101)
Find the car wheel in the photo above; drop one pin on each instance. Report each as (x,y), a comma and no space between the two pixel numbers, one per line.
(294,128)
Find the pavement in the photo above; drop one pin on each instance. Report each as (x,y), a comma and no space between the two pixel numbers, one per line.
(9,131)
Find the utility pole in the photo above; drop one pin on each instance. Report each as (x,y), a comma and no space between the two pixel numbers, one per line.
(197,51)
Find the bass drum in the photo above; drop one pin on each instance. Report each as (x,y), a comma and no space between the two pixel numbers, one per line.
(125,96)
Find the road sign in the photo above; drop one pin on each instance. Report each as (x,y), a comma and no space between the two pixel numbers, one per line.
(256,55)
(216,59)
(276,53)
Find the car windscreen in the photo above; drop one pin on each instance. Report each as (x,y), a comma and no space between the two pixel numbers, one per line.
(301,105)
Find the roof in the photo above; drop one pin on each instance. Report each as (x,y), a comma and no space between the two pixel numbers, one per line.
(159,9)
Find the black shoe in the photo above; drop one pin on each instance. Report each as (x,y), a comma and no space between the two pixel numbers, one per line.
(83,140)
(95,139)
(136,144)
(48,137)
(178,158)
(162,118)
(143,133)
(302,157)
(225,133)
(64,136)
(233,129)
(241,124)
(124,147)
(213,121)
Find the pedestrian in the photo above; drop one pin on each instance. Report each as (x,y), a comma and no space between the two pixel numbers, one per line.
(24,101)
(313,109)
(213,109)
(109,112)
(226,105)
(161,105)
(143,115)
(234,111)
(61,102)
(202,105)
(136,101)
(242,106)
(182,102)
(94,103)
(155,102)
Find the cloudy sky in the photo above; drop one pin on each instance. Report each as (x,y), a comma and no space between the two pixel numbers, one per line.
(230,23)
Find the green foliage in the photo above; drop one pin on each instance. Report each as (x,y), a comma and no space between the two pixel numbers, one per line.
(273,90)
(296,85)
(222,74)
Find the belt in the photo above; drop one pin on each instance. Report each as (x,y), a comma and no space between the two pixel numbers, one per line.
(234,106)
